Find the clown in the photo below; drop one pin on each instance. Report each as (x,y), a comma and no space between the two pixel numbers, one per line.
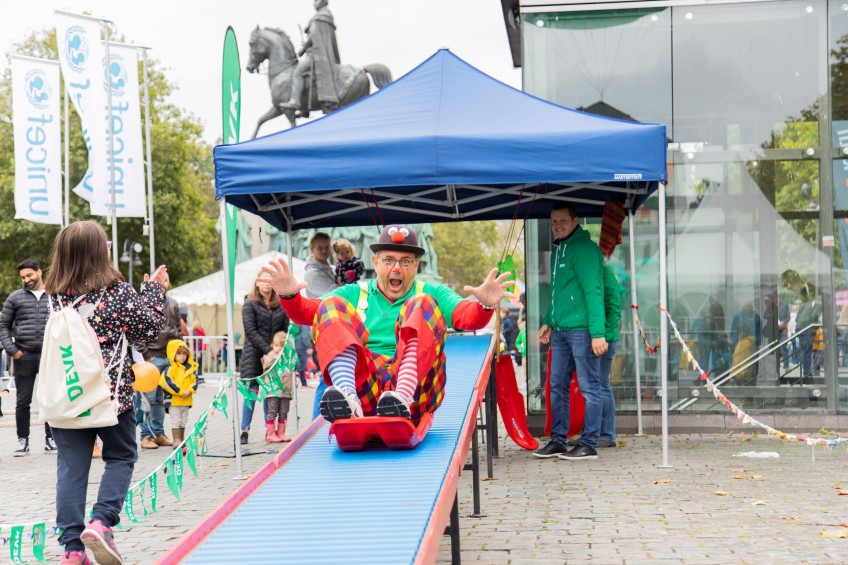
(381,342)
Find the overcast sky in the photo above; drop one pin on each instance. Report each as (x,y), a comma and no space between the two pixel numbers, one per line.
(186,36)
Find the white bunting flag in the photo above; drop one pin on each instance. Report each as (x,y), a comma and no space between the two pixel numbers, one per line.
(38,147)
(81,55)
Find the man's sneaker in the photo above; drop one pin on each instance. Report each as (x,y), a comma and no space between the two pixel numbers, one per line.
(99,539)
(579,452)
(551,450)
(337,404)
(23,447)
(148,443)
(606,443)
(49,445)
(392,403)
(75,558)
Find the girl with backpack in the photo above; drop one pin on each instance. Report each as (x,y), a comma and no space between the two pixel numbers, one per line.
(81,275)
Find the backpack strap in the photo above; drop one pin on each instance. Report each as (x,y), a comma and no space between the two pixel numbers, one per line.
(362,303)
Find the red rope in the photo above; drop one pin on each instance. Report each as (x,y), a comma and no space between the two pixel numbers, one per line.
(377,206)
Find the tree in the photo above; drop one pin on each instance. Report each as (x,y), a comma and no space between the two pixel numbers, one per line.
(469,250)
(183,204)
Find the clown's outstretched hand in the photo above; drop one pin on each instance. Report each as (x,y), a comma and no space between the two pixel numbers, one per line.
(492,291)
(282,279)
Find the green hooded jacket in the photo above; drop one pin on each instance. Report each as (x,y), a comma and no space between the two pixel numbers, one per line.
(612,304)
(577,286)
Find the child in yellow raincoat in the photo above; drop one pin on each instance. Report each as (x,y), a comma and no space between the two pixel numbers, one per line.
(180,379)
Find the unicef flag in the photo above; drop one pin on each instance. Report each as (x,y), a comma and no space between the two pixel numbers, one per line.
(128,160)
(38,147)
(81,55)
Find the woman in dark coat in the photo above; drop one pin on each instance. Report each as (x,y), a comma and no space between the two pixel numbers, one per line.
(262,317)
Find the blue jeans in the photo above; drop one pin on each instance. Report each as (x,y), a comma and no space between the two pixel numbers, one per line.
(247,410)
(120,453)
(302,345)
(153,423)
(319,392)
(805,348)
(573,350)
(607,398)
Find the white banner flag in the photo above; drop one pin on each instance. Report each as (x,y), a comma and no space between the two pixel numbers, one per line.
(126,121)
(38,146)
(81,55)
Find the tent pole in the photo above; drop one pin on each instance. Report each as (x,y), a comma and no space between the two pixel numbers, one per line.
(635,302)
(296,377)
(663,322)
(231,346)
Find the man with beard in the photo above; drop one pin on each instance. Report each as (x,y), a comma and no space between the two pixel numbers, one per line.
(381,342)
(22,334)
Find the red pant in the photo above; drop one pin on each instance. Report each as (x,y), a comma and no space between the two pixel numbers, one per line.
(337,326)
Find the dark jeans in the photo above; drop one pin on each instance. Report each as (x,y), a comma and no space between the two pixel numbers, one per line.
(73,466)
(302,345)
(26,368)
(806,350)
(153,424)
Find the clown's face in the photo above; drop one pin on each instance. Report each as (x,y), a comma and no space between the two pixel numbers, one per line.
(396,272)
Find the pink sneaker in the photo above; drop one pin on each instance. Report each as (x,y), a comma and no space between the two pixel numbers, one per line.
(99,539)
(75,558)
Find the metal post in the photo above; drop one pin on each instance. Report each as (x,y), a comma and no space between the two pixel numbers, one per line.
(635,302)
(111,157)
(231,346)
(149,160)
(456,557)
(475,473)
(296,377)
(663,323)
(67,163)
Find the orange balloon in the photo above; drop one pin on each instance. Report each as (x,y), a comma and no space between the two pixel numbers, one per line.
(146,376)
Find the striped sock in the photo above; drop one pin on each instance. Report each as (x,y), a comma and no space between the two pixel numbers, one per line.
(342,371)
(407,377)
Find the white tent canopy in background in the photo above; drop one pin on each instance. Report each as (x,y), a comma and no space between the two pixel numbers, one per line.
(206,300)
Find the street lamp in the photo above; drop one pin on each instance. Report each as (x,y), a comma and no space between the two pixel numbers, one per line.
(130,256)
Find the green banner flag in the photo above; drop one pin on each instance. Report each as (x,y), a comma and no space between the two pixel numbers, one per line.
(220,404)
(178,467)
(231,115)
(142,496)
(16,543)
(39,538)
(244,389)
(154,490)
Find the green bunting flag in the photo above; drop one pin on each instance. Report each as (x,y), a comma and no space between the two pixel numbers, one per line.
(142,496)
(244,389)
(171,478)
(128,506)
(191,449)
(16,543)
(39,538)
(178,467)
(220,404)
(231,115)
(154,490)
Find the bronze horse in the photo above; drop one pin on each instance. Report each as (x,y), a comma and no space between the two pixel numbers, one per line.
(275,46)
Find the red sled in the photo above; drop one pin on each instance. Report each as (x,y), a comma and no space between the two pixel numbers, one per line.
(354,434)
(511,405)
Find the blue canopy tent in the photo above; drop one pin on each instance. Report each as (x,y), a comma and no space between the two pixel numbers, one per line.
(445,142)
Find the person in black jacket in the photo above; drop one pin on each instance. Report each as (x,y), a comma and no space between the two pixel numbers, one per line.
(262,317)
(152,427)
(22,333)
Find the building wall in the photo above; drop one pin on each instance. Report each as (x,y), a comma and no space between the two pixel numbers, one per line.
(755,99)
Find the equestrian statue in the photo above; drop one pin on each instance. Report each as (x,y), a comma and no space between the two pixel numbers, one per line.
(318,80)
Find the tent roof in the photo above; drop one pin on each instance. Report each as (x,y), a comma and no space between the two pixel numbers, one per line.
(444,142)
(211,289)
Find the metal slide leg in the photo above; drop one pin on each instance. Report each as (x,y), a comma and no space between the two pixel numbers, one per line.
(453,530)
(493,408)
(475,473)
(487,437)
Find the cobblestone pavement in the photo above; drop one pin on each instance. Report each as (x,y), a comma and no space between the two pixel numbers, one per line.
(621,508)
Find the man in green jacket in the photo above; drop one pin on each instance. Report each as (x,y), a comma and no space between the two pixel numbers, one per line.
(575,326)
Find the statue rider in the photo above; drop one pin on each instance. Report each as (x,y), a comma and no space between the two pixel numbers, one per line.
(321,53)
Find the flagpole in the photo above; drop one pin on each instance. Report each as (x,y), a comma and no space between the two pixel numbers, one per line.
(149,160)
(231,345)
(111,160)
(67,162)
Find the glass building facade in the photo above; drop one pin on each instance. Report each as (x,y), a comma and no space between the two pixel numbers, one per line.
(755,99)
